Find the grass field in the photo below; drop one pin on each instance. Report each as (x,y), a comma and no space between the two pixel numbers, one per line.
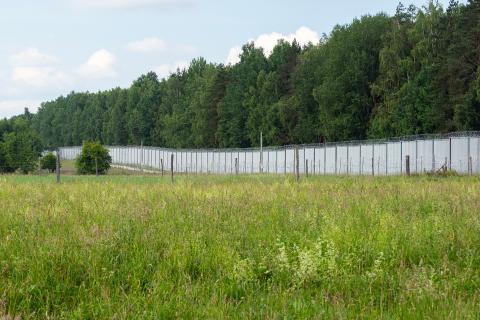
(239,247)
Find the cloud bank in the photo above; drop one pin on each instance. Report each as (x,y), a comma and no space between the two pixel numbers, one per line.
(101,64)
(303,35)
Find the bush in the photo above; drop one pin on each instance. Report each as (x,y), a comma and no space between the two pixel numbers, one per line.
(49,162)
(20,151)
(92,150)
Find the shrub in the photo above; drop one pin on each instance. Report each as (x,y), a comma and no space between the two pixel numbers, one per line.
(49,162)
(20,151)
(93,155)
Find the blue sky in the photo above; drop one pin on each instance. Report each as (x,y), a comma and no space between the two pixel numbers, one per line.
(51,47)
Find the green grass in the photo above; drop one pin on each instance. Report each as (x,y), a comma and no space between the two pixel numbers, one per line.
(239,247)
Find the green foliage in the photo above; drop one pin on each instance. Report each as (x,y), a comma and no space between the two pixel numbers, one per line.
(242,248)
(93,158)
(20,146)
(378,76)
(49,162)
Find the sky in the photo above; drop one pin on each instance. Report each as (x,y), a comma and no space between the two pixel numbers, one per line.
(49,48)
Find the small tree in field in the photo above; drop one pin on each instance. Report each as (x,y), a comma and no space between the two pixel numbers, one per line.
(49,162)
(94,157)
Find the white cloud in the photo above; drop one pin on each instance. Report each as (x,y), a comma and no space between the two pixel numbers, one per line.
(40,77)
(148,45)
(101,64)
(130,4)
(157,45)
(36,69)
(32,57)
(303,36)
(234,55)
(33,75)
(165,70)
(9,108)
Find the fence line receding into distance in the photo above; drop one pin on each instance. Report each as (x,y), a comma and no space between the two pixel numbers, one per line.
(458,151)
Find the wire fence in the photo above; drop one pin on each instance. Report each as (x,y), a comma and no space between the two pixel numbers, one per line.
(418,154)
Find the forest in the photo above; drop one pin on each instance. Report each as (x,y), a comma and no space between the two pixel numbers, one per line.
(379,76)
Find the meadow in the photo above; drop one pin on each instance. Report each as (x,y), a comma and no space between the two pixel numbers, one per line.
(248,247)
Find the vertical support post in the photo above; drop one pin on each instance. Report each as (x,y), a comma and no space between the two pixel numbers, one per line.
(450,154)
(57,166)
(324,158)
(141,156)
(433,155)
(161,164)
(470,165)
(314,159)
(252,170)
(336,165)
(407,165)
(386,158)
(268,161)
(304,157)
(360,164)
(306,167)
(348,159)
(416,155)
(236,166)
(373,166)
(261,152)
(297,166)
(285,163)
(276,161)
(171,166)
(373,159)
(401,157)
(469,151)
(245,162)
(96,166)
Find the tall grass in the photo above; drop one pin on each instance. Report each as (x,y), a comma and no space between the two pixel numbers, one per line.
(239,247)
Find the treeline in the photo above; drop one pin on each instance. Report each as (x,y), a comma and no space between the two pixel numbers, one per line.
(20,145)
(379,76)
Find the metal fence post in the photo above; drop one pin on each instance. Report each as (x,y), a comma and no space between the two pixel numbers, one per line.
(416,156)
(469,151)
(297,161)
(450,154)
(360,164)
(348,159)
(96,166)
(336,165)
(433,155)
(171,165)
(251,169)
(268,161)
(407,165)
(324,158)
(161,163)
(276,161)
(386,159)
(141,157)
(57,166)
(401,157)
(373,159)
